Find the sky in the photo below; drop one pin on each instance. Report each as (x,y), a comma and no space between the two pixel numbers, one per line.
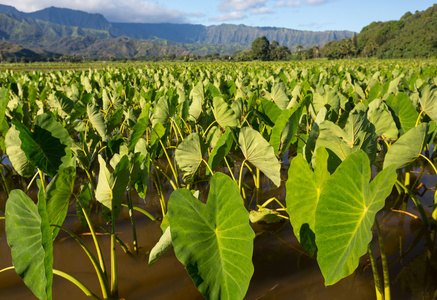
(314,15)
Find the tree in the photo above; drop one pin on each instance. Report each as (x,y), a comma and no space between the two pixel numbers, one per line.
(261,48)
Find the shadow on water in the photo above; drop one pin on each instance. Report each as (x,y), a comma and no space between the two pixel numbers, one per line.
(283,270)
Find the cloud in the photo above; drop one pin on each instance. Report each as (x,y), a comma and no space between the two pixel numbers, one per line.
(288,4)
(238,5)
(261,11)
(114,10)
(235,15)
(291,3)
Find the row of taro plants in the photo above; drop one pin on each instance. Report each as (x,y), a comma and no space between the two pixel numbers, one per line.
(120,131)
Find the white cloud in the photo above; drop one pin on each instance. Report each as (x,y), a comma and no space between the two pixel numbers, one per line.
(316,2)
(114,10)
(288,4)
(297,3)
(239,5)
(261,11)
(235,15)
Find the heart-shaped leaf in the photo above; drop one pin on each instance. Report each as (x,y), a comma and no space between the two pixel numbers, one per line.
(404,110)
(345,215)
(97,120)
(303,192)
(221,149)
(48,147)
(407,148)
(111,186)
(30,239)
(260,153)
(213,241)
(224,115)
(189,155)
(428,101)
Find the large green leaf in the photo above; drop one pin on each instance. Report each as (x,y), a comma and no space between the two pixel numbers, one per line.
(221,149)
(111,186)
(345,215)
(326,97)
(358,133)
(139,127)
(48,147)
(379,115)
(164,110)
(407,148)
(161,247)
(428,101)
(404,110)
(284,131)
(213,241)
(197,97)
(4,98)
(97,120)
(224,115)
(260,153)
(29,237)
(303,192)
(189,155)
(16,155)
(57,195)
(278,95)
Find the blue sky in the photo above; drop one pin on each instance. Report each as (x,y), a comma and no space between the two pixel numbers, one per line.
(316,15)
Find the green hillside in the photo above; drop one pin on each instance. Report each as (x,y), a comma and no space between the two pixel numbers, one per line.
(414,35)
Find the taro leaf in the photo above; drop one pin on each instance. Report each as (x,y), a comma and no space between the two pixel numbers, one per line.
(57,195)
(407,148)
(404,110)
(111,186)
(221,149)
(139,127)
(284,131)
(213,241)
(278,95)
(30,238)
(224,115)
(97,120)
(374,92)
(48,147)
(358,133)
(237,107)
(161,247)
(310,145)
(16,155)
(428,101)
(346,213)
(4,98)
(271,111)
(164,110)
(327,97)
(303,192)
(189,155)
(197,98)
(260,153)
(84,199)
(379,115)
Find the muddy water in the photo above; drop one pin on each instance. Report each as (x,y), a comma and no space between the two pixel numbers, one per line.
(282,268)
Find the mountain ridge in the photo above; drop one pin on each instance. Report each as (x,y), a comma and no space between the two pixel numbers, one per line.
(223,34)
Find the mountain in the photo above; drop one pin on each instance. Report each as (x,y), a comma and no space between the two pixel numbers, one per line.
(414,35)
(226,34)
(62,28)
